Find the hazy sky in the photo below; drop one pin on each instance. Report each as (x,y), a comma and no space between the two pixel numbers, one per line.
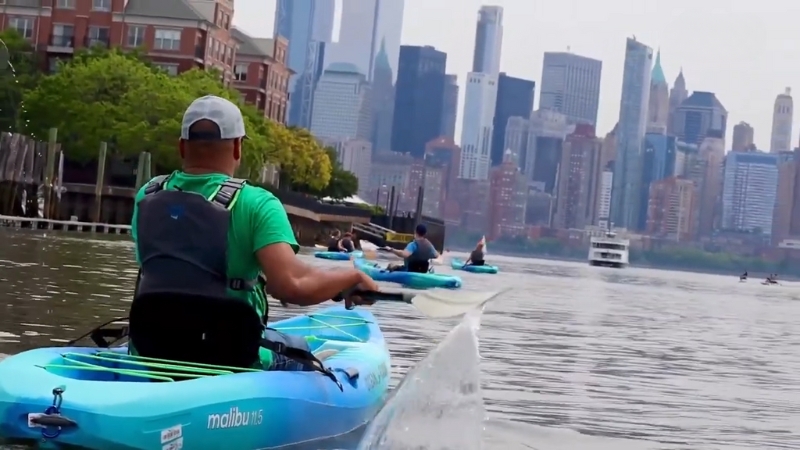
(743,50)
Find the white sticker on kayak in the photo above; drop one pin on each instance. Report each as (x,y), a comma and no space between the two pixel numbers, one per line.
(174,445)
(171,433)
(32,416)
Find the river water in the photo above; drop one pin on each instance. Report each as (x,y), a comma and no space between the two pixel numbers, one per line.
(573,357)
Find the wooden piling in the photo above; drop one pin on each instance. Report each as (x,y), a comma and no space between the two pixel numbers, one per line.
(50,168)
(143,170)
(101,176)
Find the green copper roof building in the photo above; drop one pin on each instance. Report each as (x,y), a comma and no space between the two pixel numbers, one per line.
(657,76)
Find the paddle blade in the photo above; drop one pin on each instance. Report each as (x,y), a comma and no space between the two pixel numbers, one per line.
(440,304)
(367,254)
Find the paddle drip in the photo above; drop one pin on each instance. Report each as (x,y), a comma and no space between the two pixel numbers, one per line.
(439,403)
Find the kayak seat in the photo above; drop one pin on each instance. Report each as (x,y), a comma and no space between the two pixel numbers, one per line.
(192,329)
(419,266)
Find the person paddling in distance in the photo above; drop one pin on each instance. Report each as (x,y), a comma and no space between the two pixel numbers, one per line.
(476,257)
(333,241)
(417,254)
(346,243)
(201,239)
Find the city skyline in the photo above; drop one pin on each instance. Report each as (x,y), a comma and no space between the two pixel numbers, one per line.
(599,32)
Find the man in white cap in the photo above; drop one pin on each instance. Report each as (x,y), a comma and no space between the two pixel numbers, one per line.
(202,239)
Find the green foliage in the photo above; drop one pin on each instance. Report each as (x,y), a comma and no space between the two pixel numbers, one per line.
(376,210)
(343,183)
(85,55)
(120,98)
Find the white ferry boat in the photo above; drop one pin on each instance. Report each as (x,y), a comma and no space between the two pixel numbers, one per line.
(609,251)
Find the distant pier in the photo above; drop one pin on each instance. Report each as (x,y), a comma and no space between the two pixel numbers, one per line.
(34,223)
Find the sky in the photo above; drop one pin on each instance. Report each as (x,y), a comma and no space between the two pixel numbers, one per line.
(745,51)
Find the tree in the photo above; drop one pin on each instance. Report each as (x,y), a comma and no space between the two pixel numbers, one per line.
(342,184)
(87,102)
(84,55)
(117,98)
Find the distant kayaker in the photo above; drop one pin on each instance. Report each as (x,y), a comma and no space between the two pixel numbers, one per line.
(333,241)
(417,254)
(346,243)
(477,255)
(772,279)
(201,254)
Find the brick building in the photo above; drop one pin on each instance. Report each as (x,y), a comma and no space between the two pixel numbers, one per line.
(507,199)
(177,35)
(671,207)
(261,75)
(578,179)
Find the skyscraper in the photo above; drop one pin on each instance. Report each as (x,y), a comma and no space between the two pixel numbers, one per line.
(781,138)
(658,109)
(365,26)
(488,40)
(382,102)
(677,95)
(630,133)
(697,116)
(670,208)
(749,191)
(578,179)
(419,97)
(341,104)
(480,96)
(308,25)
(514,99)
(743,135)
(571,85)
(658,162)
(450,107)
(477,129)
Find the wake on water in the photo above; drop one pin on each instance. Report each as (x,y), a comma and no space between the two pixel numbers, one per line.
(439,403)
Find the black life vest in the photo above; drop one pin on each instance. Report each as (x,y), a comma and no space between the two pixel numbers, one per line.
(182,245)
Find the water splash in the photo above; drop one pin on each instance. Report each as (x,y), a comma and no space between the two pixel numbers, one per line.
(439,403)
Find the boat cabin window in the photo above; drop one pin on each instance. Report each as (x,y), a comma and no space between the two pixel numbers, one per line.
(608,246)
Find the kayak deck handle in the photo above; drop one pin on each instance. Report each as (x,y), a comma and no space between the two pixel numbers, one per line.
(352,373)
(53,420)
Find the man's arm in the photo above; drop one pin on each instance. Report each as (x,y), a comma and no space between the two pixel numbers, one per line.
(288,278)
(405,253)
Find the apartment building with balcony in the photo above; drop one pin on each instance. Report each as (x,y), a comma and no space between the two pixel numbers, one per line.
(261,75)
(176,35)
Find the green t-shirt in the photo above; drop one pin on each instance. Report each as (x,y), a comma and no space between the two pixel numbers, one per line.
(258,219)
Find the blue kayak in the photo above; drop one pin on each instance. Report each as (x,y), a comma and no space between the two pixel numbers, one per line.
(409,279)
(457,264)
(339,256)
(114,401)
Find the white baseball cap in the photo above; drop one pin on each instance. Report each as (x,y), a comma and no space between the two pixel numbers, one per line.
(218,110)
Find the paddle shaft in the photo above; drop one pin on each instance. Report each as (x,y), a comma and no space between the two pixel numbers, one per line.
(384,296)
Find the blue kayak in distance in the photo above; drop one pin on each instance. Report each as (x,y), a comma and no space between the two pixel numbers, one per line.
(409,279)
(112,401)
(457,264)
(339,256)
